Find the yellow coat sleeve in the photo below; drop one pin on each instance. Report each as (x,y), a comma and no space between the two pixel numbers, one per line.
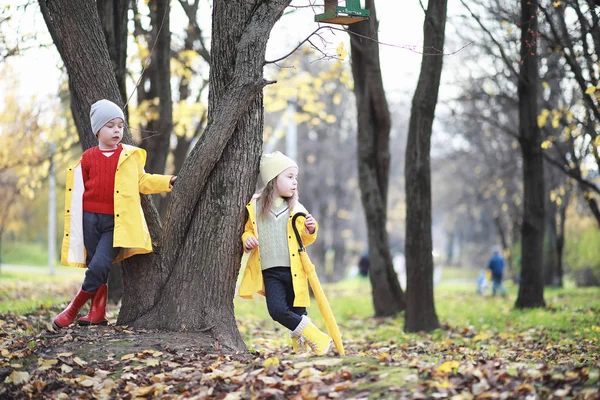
(307,238)
(152,183)
(248,231)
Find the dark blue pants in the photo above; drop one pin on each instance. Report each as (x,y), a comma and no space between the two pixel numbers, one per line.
(98,230)
(280,297)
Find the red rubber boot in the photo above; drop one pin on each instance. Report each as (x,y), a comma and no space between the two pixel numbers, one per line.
(69,314)
(97,314)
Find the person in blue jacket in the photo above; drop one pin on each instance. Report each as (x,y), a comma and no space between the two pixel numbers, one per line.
(496,266)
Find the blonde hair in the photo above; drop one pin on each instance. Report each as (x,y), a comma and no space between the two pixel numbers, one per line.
(269,194)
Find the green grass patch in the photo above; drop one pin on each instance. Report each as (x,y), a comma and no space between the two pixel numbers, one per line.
(26,306)
(22,253)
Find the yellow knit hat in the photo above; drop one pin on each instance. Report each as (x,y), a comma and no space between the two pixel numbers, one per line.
(273,164)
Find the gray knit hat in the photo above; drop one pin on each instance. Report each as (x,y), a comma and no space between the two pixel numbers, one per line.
(103,111)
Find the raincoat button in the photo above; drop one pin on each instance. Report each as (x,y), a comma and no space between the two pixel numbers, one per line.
(67,211)
(289,237)
(67,234)
(117,215)
(117,191)
(295,275)
(69,189)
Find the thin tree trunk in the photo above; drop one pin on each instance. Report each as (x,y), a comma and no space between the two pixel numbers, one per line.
(550,241)
(531,288)
(373,161)
(157,134)
(420,310)
(560,238)
(113,17)
(205,217)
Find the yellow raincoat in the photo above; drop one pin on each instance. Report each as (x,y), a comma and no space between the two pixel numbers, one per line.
(131,232)
(252,281)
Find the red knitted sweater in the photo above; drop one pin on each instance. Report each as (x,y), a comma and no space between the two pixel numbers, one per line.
(99,179)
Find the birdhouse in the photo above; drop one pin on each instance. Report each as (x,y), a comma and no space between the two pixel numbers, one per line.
(348,15)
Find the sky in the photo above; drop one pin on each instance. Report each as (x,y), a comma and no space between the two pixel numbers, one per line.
(400,35)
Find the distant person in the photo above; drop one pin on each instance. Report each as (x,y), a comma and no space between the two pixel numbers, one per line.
(363,265)
(496,266)
(482,282)
(104,222)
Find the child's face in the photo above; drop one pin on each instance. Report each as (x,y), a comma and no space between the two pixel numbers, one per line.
(111,133)
(287,182)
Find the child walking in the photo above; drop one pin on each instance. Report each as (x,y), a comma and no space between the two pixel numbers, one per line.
(104,221)
(274,268)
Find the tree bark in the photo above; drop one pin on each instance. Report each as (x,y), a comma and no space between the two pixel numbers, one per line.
(113,17)
(76,31)
(156,134)
(531,288)
(420,310)
(373,161)
(205,218)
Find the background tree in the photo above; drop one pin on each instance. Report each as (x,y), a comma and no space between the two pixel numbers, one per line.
(373,119)
(420,310)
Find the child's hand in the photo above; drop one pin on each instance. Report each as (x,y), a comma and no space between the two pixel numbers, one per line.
(251,243)
(172,181)
(310,223)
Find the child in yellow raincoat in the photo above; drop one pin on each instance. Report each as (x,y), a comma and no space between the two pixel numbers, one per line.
(274,268)
(104,221)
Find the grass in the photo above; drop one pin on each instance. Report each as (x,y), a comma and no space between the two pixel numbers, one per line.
(25,290)
(23,253)
(571,312)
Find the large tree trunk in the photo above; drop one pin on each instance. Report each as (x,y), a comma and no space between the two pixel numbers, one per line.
(75,29)
(189,282)
(204,221)
(420,310)
(374,161)
(531,288)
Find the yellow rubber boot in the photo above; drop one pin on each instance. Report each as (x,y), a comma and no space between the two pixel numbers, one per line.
(299,345)
(318,342)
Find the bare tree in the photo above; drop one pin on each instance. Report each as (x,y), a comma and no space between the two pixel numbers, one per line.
(420,310)
(373,149)
(531,287)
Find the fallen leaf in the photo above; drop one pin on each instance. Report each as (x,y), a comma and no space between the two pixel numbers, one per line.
(66,368)
(17,377)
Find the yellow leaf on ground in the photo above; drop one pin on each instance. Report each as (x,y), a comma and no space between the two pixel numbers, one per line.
(79,361)
(46,364)
(590,90)
(17,377)
(66,368)
(273,361)
(152,362)
(127,357)
(447,367)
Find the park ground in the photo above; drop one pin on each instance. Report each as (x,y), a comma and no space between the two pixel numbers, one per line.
(485,349)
